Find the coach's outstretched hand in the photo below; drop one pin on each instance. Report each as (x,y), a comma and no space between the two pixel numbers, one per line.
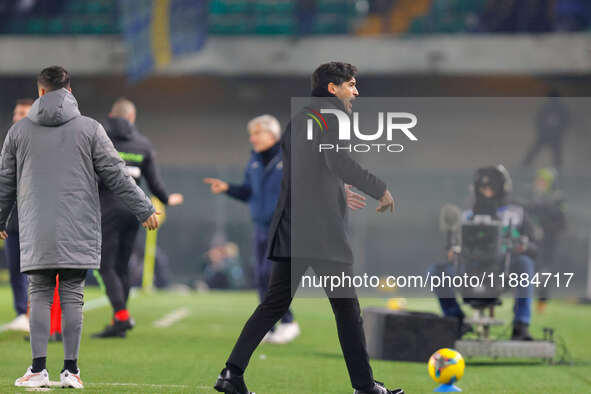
(3,235)
(217,185)
(386,203)
(175,199)
(355,201)
(152,222)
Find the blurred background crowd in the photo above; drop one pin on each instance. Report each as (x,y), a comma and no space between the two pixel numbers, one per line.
(361,17)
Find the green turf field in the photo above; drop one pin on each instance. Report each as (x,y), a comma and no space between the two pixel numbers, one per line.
(187,356)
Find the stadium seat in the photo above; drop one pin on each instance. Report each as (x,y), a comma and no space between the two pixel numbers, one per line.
(274,24)
(274,6)
(229,6)
(335,6)
(56,26)
(36,26)
(230,24)
(331,24)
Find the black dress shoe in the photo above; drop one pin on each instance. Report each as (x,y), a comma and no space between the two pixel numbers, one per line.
(117,329)
(521,332)
(230,383)
(379,388)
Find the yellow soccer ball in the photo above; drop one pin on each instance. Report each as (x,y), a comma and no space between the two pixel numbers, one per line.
(396,304)
(446,366)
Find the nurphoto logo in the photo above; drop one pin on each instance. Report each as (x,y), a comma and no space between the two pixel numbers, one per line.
(396,122)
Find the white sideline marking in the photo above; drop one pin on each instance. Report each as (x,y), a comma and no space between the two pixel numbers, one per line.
(103,301)
(179,386)
(95,304)
(172,317)
(143,385)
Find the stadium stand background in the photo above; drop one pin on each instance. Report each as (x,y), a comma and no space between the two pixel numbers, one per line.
(288,17)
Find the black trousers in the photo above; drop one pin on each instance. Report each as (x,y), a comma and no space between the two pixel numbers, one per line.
(18,280)
(276,303)
(119,229)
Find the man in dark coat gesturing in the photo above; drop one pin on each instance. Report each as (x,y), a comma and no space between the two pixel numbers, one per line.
(313,201)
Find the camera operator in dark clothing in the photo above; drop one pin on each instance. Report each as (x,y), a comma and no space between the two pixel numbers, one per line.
(119,227)
(492,186)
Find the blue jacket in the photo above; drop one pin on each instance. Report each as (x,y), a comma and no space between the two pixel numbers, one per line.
(261,186)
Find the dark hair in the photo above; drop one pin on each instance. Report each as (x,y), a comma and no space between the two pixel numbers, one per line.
(54,78)
(335,72)
(25,101)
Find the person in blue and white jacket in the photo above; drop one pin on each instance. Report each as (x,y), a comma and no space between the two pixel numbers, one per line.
(260,189)
(492,186)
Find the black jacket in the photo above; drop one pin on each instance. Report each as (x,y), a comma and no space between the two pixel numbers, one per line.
(314,226)
(549,212)
(138,154)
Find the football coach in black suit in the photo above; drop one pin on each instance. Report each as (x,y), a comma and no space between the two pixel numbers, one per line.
(318,181)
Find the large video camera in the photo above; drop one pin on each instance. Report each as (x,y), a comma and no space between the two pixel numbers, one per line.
(483,251)
(482,246)
(483,242)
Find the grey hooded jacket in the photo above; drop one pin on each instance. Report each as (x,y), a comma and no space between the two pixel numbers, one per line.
(51,163)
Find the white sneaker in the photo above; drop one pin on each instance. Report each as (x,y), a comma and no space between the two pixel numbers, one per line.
(268,338)
(285,333)
(72,380)
(30,379)
(290,331)
(20,323)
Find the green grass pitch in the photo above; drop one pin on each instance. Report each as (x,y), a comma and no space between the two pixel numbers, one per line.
(187,356)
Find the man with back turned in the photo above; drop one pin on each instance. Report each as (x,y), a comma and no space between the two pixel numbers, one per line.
(51,163)
(119,226)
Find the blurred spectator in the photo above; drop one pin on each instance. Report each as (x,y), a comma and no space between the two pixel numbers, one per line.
(552,121)
(516,16)
(379,18)
(8,7)
(380,6)
(547,207)
(305,16)
(571,15)
(23,7)
(223,269)
(136,266)
(13,9)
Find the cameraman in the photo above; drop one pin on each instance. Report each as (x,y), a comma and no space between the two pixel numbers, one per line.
(491,188)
